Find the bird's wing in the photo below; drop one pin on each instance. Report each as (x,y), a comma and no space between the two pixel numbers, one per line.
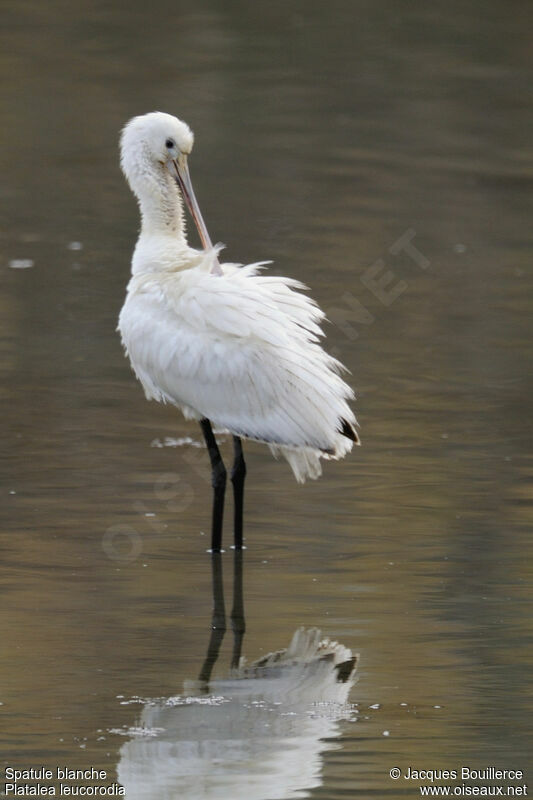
(241,349)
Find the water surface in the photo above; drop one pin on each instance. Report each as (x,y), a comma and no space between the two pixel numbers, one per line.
(329,136)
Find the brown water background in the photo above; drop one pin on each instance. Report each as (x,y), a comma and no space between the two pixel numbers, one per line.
(328,136)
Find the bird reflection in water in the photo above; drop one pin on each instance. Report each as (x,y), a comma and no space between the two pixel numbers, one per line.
(257,735)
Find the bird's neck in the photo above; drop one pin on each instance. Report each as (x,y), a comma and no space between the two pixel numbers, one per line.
(161,206)
(162,242)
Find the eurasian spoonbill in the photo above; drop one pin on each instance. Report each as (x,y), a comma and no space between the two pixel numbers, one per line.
(229,346)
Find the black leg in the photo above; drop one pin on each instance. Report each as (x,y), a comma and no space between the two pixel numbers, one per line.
(218,481)
(238,474)
(237,613)
(218,620)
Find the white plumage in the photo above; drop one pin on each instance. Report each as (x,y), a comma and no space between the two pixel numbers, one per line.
(223,342)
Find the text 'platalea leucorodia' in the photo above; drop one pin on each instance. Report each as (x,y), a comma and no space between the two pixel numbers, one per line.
(229,346)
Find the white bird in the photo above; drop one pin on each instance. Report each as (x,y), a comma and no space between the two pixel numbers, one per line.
(227,345)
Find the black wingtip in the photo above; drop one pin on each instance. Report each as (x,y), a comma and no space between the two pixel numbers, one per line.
(349,431)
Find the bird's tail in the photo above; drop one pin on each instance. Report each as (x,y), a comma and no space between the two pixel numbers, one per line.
(305,461)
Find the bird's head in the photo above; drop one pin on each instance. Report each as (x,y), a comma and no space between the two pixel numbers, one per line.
(158,136)
(156,144)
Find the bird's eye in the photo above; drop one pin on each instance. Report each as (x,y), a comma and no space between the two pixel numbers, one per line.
(170,143)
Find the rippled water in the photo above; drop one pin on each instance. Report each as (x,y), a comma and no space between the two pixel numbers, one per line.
(333,138)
